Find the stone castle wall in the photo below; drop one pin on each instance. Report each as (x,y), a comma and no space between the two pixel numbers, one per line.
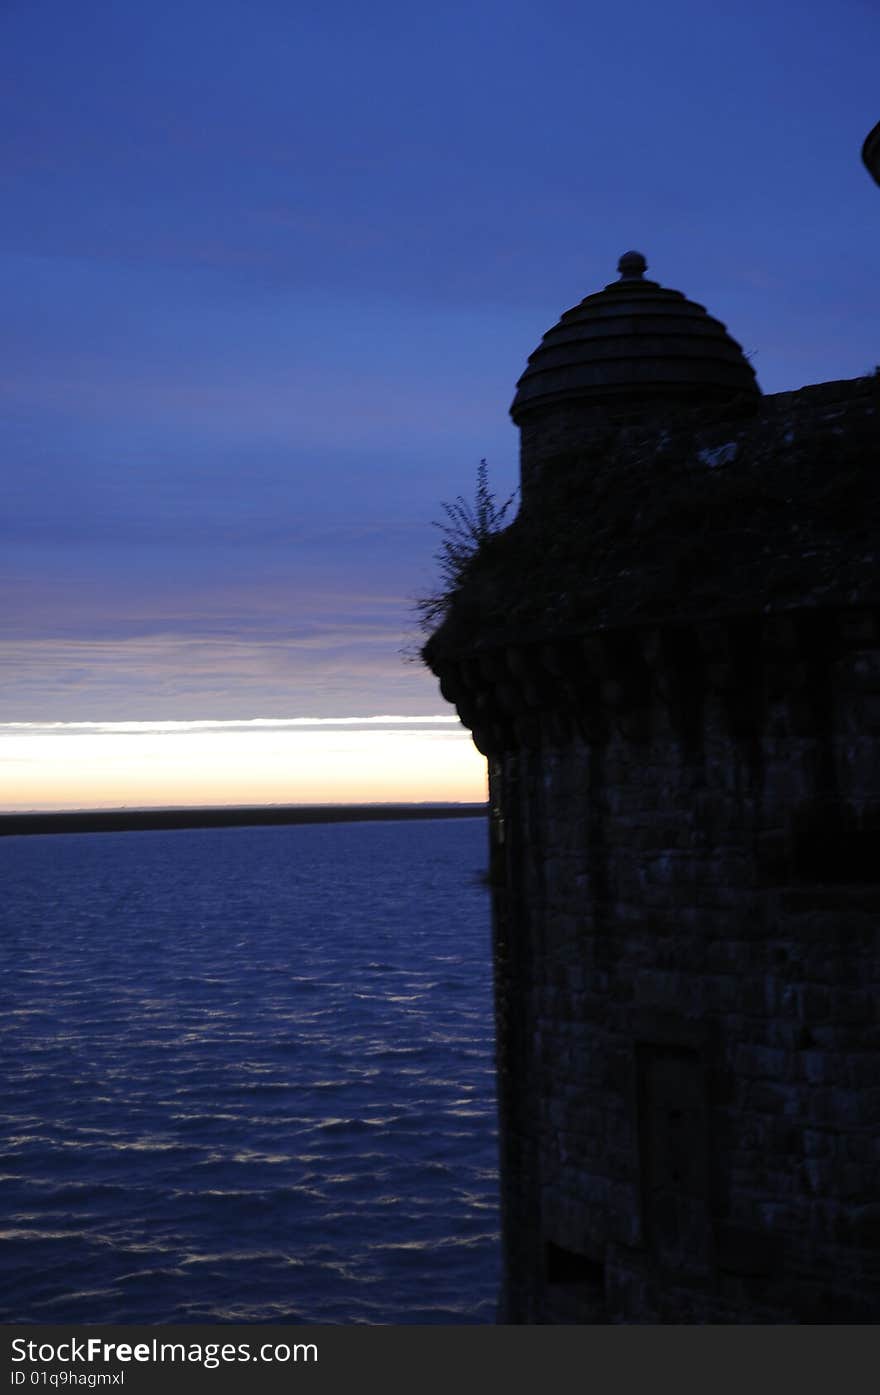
(687,973)
(684,769)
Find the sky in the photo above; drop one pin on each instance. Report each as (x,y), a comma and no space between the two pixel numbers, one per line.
(270,273)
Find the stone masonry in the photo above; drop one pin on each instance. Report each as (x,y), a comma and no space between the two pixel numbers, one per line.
(671,660)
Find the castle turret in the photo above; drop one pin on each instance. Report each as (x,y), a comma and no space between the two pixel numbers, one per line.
(871,152)
(621,354)
(671,659)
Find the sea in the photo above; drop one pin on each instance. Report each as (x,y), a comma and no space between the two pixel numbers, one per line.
(247,1076)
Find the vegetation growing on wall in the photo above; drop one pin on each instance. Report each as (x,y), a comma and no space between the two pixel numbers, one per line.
(649,524)
(467,531)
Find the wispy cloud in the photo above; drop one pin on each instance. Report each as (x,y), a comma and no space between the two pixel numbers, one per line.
(342,672)
(263,725)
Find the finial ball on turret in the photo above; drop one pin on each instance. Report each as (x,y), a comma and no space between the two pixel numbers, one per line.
(632,265)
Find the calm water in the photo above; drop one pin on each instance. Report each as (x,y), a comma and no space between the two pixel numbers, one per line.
(248,1076)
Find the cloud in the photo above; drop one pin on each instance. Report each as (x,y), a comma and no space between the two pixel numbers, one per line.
(437,725)
(342,672)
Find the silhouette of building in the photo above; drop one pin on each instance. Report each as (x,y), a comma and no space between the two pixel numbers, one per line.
(871,152)
(671,659)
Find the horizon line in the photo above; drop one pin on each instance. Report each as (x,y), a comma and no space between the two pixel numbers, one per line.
(21,822)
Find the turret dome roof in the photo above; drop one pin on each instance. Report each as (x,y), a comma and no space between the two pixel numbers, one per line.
(635,342)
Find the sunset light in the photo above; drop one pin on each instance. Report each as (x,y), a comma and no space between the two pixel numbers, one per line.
(399,401)
(90,765)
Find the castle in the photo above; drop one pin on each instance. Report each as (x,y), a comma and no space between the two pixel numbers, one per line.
(871,152)
(671,660)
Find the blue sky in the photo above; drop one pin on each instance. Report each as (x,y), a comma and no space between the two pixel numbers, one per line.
(270,273)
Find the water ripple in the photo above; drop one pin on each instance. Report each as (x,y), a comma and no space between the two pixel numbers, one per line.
(249,1076)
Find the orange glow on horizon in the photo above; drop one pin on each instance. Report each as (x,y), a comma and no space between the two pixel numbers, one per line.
(137,765)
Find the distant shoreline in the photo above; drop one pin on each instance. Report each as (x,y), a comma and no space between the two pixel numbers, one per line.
(244,816)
